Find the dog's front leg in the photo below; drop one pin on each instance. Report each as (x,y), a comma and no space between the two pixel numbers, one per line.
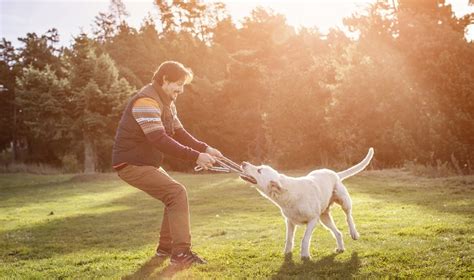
(307,238)
(290,234)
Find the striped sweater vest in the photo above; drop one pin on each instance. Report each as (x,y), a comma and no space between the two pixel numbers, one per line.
(131,145)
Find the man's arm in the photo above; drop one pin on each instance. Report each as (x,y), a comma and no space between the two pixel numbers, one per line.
(187,139)
(146,112)
(183,137)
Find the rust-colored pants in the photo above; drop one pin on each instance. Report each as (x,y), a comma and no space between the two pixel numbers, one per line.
(175,231)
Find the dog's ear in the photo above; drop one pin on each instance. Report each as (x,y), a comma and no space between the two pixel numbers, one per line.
(275,187)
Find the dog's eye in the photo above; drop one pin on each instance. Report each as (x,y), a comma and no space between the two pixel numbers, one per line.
(259,171)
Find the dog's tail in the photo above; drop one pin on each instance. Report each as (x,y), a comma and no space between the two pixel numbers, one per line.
(358,167)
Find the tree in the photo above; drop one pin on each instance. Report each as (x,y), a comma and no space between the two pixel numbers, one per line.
(8,73)
(97,97)
(118,10)
(40,51)
(41,96)
(194,17)
(227,35)
(419,103)
(432,39)
(36,51)
(105,27)
(107,24)
(167,19)
(266,33)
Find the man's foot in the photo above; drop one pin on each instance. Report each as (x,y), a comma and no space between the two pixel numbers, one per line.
(163,252)
(186,258)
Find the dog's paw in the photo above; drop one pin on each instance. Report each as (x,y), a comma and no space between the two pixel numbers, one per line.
(305,258)
(339,250)
(355,235)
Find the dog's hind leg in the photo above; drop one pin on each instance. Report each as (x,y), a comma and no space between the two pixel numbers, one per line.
(307,238)
(328,222)
(290,234)
(346,203)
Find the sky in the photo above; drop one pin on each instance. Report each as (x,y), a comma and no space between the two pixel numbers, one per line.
(70,17)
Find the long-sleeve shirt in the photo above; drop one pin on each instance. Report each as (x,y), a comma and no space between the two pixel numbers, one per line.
(147,113)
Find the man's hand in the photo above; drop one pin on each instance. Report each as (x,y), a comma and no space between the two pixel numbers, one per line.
(205,160)
(214,152)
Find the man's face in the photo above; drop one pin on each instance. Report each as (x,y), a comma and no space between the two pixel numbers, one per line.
(173,89)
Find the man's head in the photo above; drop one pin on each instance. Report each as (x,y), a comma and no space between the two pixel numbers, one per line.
(172,76)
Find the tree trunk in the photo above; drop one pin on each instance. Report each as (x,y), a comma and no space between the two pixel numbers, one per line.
(89,155)
(14,144)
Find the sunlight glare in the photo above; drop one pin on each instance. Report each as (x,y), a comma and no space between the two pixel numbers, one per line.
(324,14)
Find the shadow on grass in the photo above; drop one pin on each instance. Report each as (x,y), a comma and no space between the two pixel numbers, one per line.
(134,224)
(49,188)
(168,272)
(326,267)
(120,224)
(153,269)
(146,271)
(8,192)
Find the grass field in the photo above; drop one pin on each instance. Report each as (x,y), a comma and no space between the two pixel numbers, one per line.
(86,227)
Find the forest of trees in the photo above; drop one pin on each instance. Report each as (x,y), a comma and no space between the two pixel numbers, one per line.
(263,91)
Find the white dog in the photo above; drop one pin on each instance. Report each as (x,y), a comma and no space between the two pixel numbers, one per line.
(307,199)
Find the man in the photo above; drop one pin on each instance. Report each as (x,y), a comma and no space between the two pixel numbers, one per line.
(148,128)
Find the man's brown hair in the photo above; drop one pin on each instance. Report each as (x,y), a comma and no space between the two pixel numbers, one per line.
(172,71)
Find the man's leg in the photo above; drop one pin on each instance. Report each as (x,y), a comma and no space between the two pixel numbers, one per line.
(166,241)
(160,185)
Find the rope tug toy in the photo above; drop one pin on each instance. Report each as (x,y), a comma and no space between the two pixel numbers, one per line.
(228,166)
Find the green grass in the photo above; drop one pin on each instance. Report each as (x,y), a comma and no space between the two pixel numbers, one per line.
(85,227)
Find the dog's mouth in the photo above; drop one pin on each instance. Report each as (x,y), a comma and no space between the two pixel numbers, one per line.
(248,178)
